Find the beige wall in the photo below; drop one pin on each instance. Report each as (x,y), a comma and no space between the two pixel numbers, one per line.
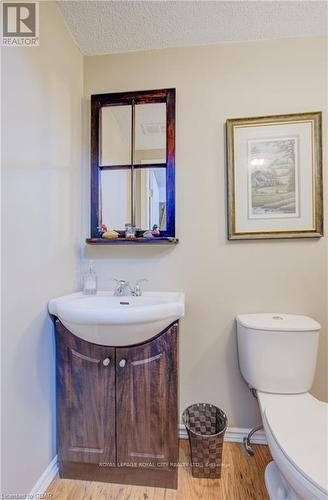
(220,279)
(41,141)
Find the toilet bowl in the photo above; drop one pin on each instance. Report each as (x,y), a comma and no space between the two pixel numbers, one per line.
(277,357)
(296,429)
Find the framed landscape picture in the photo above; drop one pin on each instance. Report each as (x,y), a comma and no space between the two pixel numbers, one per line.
(275,177)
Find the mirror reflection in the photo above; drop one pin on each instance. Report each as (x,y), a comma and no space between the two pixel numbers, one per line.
(133,195)
(150,200)
(116,198)
(150,133)
(115,135)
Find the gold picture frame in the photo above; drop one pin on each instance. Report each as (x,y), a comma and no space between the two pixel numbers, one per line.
(274,174)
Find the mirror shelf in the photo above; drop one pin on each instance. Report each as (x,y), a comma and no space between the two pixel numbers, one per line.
(158,240)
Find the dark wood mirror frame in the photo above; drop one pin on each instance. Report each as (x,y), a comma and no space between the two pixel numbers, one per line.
(99,101)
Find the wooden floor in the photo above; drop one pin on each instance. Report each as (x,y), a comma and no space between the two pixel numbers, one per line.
(242,479)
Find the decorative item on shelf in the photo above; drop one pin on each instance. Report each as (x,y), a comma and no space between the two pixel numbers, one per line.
(110,235)
(130,231)
(156,231)
(275,176)
(148,234)
(103,228)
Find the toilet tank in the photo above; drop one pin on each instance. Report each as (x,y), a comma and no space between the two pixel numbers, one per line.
(277,352)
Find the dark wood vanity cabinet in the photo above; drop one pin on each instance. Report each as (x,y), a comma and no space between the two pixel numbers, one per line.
(117,410)
(85,400)
(146,402)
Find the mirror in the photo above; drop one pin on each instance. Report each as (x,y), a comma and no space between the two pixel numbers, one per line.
(149,184)
(116,198)
(150,133)
(150,200)
(115,136)
(133,162)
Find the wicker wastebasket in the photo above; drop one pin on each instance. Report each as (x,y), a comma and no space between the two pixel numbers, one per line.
(206,425)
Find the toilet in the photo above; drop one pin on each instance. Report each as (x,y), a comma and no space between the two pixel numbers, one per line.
(277,358)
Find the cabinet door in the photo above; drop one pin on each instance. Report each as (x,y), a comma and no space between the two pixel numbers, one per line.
(146,402)
(85,399)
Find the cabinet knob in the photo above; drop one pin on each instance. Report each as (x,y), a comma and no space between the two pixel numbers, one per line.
(122,363)
(106,361)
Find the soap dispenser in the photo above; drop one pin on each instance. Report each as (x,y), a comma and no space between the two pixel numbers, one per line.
(90,281)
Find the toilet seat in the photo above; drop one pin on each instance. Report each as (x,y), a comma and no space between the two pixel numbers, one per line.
(297,430)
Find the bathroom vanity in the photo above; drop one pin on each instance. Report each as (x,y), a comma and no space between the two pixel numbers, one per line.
(117,406)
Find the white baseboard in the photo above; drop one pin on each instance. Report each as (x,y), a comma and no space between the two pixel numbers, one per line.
(237,434)
(233,434)
(43,482)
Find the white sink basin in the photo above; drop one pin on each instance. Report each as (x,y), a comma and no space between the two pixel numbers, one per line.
(117,321)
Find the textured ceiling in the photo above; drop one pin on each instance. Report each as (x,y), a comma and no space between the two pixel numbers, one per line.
(122,26)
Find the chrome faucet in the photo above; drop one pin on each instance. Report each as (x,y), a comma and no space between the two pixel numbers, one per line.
(137,291)
(124,288)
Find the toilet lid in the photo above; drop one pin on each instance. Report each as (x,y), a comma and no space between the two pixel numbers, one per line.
(299,424)
(278,322)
